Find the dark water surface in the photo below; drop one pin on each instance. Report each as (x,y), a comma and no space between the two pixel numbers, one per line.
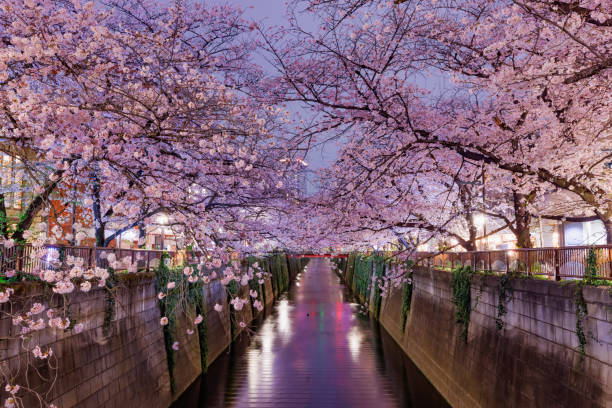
(314,349)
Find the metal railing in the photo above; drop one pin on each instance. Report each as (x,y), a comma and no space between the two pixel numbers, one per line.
(556,263)
(29,260)
(311,255)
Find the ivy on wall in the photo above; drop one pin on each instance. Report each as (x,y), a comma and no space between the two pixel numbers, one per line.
(461,284)
(407,299)
(109,309)
(166,305)
(196,295)
(362,277)
(190,299)
(380,265)
(581,314)
(502,299)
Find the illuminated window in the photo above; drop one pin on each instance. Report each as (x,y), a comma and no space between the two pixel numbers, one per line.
(11,176)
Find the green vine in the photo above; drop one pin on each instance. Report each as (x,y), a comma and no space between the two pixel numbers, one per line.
(581,314)
(590,273)
(461,286)
(502,300)
(362,277)
(166,305)
(109,309)
(379,272)
(407,299)
(264,267)
(196,292)
(232,292)
(254,283)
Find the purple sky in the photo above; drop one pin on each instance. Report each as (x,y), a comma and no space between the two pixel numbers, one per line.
(272,13)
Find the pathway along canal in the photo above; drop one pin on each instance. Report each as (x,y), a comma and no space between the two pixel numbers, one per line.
(315,349)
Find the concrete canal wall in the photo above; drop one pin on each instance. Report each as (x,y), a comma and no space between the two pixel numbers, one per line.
(121,359)
(532,361)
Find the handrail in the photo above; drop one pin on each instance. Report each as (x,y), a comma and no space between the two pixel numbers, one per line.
(555,263)
(27,259)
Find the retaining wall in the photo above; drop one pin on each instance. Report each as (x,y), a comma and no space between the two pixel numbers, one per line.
(123,361)
(533,361)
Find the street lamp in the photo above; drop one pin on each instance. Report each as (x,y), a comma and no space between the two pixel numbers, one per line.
(480,221)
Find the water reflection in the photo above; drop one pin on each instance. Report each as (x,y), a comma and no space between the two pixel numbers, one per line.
(312,351)
(284,322)
(354,337)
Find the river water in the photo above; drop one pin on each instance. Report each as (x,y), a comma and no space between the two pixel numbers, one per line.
(315,348)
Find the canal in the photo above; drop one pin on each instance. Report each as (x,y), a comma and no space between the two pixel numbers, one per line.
(315,348)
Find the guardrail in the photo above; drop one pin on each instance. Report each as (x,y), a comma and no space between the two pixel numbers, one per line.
(317,255)
(556,263)
(27,259)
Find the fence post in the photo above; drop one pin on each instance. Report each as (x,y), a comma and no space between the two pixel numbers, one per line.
(507,261)
(19,258)
(148,259)
(92,257)
(556,262)
(528,262)
(489,260)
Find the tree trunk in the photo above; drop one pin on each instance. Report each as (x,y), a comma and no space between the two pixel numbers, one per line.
(470,245)
(26,220)
(522,219)
(4,221)
(99,225)
(142,234)
(466,201)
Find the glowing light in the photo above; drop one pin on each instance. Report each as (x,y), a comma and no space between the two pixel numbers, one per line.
(555,238)
(52,255)
(480,220)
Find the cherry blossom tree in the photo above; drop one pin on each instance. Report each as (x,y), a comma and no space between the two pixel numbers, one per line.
(144,104)
(507,116)
(146,109)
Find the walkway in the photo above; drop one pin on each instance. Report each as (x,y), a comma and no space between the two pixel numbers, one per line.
(314,350)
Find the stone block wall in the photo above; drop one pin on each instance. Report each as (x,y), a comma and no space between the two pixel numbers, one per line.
(218,324)
(533,361)
(121,361)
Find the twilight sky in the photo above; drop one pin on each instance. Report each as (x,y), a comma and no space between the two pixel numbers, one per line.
(272,13)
